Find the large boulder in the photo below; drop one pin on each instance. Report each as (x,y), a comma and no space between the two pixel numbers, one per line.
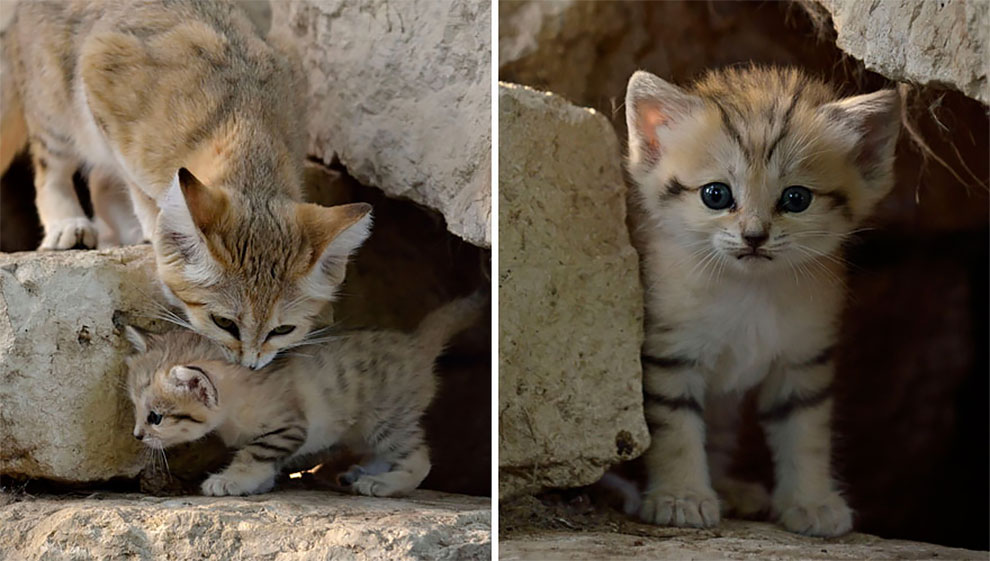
(64,415)
(936,43)
(400,94)
(570,308)
(287,526)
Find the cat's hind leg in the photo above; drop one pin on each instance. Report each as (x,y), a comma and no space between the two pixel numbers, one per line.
(400,458)
(66,225)
(115,218)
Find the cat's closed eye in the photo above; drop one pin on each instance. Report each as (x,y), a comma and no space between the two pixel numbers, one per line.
(227,325)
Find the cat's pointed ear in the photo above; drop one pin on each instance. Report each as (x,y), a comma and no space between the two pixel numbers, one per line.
(195,381)
(651,104)
(137,338)
(335,233)
(870,124)
(189,211)
(205,205)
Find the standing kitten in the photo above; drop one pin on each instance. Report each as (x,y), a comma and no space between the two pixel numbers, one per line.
(750,181)
(363,389)
(185,104)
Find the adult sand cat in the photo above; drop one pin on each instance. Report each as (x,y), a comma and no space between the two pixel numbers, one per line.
(364,389)
(201,117)
(749,182)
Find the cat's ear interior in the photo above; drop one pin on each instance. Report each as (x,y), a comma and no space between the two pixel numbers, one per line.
(137,338)
(872,123)
(335,233)
(653,103)
(196,382)
(205,205)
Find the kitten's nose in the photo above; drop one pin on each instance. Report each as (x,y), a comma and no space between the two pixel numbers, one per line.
(755,239)
(139,435)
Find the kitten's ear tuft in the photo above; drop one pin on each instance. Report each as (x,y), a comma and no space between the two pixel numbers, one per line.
(335,233)
(205,205)
(137,338)
(194,380)
(652,103)
(872,123)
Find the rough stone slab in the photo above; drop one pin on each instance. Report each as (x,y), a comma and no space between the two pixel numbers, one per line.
(928,42)
(735,540)
(62,414)
(570,323)
(400,92)
(286,526)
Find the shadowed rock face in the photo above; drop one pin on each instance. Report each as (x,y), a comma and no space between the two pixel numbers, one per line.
(294,525)
(912,371)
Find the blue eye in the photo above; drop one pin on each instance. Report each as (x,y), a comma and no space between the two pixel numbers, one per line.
(795,199)
(716,196)
(154,418)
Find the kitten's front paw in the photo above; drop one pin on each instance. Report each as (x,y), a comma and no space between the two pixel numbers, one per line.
(219,485)
(69,233)
(825,518)
(697,508)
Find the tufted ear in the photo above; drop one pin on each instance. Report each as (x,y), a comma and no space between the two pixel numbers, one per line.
(195,381)
(870,123)
(334,233)
(189,211)
(652,104)
(137,338)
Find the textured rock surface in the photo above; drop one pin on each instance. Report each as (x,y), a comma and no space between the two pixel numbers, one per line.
(400,93)
(938,43)
(286,526)
(731,540)
(61,361)
(570,396)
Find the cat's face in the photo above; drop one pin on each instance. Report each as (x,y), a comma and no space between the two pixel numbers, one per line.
(754,174)
(174,402)
(252,279)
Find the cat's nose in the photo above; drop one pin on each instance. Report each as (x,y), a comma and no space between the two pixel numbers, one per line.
(755,239)
(139,435)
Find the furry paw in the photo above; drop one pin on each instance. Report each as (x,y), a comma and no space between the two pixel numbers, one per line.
(825,518)
(697,508)
(746,499)
(219,485)
(386,485)
(69,233)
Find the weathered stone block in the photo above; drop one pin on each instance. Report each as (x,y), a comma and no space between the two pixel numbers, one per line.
(287,526)
(570,323)
(400,93)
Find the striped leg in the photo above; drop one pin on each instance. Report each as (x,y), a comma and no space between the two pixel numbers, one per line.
(795,410)
(255,466)
(400,462)
(678,492)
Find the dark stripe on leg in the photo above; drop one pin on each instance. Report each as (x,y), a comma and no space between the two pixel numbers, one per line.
(675,403)
(666,361)
(821,358)
(787,407)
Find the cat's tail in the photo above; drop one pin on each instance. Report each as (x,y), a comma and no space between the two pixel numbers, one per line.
(13,128)
(448,320)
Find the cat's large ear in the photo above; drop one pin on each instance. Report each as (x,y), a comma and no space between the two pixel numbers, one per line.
(870,124)
(189,211)
(137,338)
(335,233)
(195,381)
(652,104)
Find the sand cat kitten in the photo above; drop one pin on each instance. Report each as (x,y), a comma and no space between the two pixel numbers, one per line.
(363,389)
(200,118)
(749,182)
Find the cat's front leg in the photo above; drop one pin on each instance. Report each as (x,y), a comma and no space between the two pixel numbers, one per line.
(66,225)
(255,466)
(400,462)
(795,405)
(679,491)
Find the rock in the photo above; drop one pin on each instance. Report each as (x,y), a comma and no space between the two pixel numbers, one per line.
(935,43)
(570,323)
(287,526)
(400,93)
(64,416)
(730,540)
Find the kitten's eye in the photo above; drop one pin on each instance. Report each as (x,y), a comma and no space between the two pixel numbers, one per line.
(154,418)
(716,196)
(795,199)
(281,330)
(227,325)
